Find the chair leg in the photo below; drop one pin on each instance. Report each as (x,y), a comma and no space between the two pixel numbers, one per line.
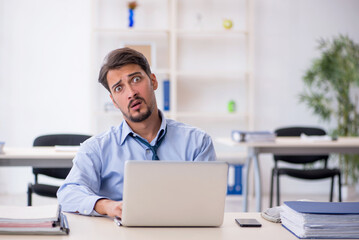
(278,190)
(340,187)
(271,190)
(331,189)
(29,194)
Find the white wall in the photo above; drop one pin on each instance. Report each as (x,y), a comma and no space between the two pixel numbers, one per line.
(44,81)
(45,75)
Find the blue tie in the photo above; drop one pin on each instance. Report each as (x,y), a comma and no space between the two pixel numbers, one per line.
(153,148)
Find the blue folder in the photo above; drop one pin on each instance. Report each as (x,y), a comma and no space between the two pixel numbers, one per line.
(327,220)
(324,207)
(166,95)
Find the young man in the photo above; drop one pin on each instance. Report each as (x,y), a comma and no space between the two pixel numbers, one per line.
(95,183)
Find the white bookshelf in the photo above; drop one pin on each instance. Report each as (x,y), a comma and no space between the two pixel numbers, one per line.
(207,65)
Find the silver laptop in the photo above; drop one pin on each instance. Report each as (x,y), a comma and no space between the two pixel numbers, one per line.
(165,193)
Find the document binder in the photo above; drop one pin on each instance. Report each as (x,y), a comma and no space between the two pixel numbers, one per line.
(324,207)
(253,136)
(39,220)
(321,219)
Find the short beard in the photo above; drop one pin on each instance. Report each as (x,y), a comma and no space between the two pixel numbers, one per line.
(142,116)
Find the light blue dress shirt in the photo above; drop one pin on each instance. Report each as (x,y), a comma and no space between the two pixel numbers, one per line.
(98,167)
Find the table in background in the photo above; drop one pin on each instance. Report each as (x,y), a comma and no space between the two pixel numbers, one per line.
(286,146)
(36,157)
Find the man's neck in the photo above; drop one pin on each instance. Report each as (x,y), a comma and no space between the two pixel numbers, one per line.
(148,128)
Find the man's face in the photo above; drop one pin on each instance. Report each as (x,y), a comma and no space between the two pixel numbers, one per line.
(132,91)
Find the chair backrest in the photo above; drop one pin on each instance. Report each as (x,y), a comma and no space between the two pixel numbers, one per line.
(296,132)
(52,140)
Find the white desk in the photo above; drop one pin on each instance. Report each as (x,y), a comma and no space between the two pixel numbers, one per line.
(88,228)
(286,146)
(36,157)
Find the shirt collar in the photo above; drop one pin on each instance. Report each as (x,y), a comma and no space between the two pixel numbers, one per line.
(126,129)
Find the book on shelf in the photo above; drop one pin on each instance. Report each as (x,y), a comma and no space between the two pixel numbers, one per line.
(166,95)
(253,136)
(39,220)
(321,219)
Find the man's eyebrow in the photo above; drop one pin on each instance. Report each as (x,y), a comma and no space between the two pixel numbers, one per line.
(117,83)
(132,74)
(129,75)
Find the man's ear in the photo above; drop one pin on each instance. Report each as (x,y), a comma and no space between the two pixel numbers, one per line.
(114,102)
(154,81)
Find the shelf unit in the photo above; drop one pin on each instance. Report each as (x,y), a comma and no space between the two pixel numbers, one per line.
(207,65)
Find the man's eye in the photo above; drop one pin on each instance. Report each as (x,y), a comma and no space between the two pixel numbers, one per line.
(136,79)
(118,88)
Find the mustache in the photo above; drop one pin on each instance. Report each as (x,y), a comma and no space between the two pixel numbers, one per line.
(136,98)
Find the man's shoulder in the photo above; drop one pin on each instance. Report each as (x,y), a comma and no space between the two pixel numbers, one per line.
(182,128)
(104,138)
(193,142)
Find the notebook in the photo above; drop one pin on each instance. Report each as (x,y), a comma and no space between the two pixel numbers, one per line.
(168,193)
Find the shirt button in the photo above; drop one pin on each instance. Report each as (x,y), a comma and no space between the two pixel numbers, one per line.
(148,150)
(85,211)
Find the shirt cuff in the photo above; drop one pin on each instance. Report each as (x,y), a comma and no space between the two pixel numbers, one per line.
(88,205)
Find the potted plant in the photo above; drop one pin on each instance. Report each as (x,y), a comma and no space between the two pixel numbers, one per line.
(331,91)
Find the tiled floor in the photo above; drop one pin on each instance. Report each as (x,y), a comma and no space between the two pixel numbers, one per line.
(233,203)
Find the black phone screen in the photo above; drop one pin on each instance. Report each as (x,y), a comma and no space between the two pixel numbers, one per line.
(248,222)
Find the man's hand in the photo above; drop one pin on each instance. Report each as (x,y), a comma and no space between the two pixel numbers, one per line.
(109,207)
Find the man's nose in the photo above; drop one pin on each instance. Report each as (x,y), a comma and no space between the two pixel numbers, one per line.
(131,92)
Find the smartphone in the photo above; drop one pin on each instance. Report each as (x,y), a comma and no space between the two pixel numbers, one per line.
(248,222)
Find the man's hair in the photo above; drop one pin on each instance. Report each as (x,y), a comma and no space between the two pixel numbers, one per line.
(119,58)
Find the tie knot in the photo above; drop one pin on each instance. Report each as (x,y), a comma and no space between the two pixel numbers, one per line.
(154,148)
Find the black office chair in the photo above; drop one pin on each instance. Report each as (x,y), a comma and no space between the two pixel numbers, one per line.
(59,173)
(308,174)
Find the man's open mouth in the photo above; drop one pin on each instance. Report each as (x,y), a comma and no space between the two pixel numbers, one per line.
(135,104)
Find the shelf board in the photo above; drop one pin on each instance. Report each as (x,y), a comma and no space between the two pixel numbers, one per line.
(234,75)
(197,32)
(119,114)
(214,33)
(212,115)
(129,30)
(194,115)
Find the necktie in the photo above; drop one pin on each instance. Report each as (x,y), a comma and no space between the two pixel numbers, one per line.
(153,148)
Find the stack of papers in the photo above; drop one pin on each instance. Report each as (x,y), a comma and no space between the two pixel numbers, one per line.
(253,136)
(321,219)
(42,220)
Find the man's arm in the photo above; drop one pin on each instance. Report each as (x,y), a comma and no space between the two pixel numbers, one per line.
(79,193)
